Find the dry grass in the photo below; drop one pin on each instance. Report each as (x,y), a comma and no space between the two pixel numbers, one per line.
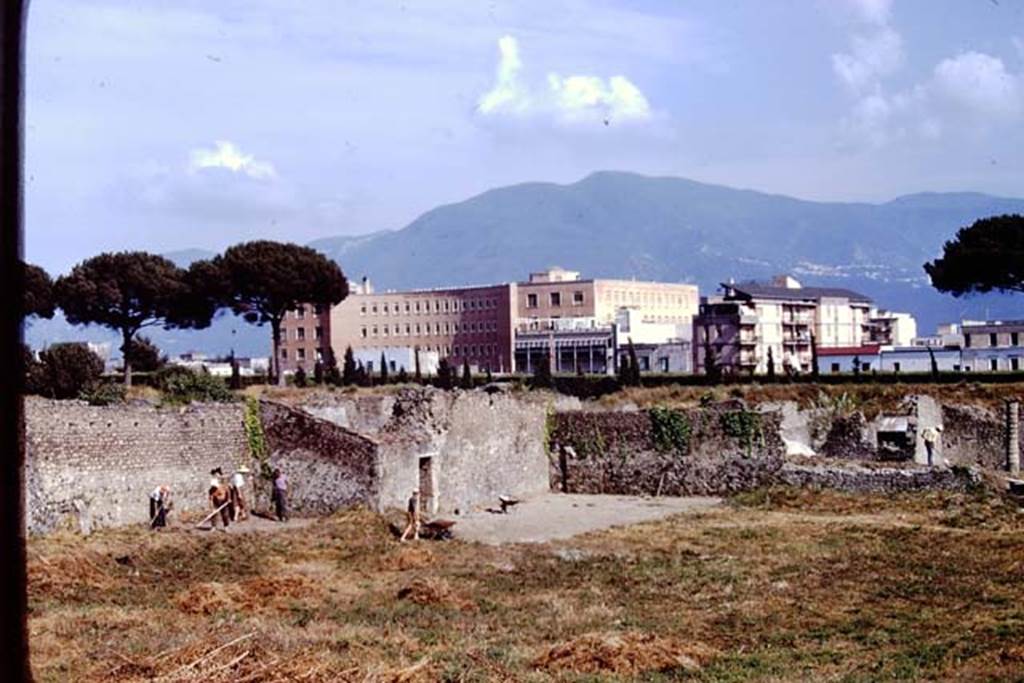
(779,586)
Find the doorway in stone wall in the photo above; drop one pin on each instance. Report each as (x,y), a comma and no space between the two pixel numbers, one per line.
(428,500)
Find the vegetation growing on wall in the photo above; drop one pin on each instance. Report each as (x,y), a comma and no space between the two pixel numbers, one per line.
(257,439)
(670,430)
(744,425)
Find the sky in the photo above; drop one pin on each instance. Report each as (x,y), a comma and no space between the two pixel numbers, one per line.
(162,126)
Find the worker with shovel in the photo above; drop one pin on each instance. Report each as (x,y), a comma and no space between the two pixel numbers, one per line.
(159,505)
(237,496)
(220,499)
(412,516)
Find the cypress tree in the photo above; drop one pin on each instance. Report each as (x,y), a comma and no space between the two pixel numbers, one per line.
(934,363)
(542,373)
(814,355)
(383,369)
(467,376)
(771,364)
(349,372)
(417,374)
(444,374)
(634,366)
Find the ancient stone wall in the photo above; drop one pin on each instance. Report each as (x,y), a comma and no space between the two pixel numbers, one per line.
(974,435)
(90,466)
(328,467)
(861,479)
(724,450)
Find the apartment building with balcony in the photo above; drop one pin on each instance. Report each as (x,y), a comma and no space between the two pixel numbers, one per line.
(749,319)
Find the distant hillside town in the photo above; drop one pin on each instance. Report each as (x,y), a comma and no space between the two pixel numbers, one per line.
(580,325)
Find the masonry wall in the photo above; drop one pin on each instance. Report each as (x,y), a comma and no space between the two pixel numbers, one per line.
(90,466)
(328,467)
(617,453)
(481,445)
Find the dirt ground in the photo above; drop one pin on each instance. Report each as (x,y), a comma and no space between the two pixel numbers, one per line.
(562,515)
(777,585)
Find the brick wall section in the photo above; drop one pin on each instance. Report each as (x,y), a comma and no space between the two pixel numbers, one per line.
(328,467)
(615,452)
(95,466)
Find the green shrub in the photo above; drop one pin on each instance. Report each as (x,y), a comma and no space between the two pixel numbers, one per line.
(670,430)
(104,394)
(180,385)
(65,371)
(743,425)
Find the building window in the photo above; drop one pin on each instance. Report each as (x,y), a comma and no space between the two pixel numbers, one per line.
(417,306)
(556,298)
(362,309)
(373,309)
(408,329)
(437,307)
(446,328)
(384,309)
(319,354)
(1014,339)
(300,333)
(417,328)
(284,354)
(577,298)
(363,330)
(967,341)
(300,312)
(445,306)
(835,367)
(406,306)
(993,364)
(1015,364)
(300,354)
(385,331)
(531,301)
(437,328)
(318,333)
(374,331)
(992,339)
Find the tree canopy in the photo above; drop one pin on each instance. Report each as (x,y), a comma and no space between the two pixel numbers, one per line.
(127,291)
(987,256)
(263,280)
(38,299)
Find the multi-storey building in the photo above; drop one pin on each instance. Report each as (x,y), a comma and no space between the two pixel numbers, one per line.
(783,317)
(993,345)
(501,328)
(580,323)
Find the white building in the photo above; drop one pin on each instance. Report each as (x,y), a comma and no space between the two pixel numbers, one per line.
(399,358)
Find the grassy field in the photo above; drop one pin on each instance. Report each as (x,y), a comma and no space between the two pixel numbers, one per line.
(775,586)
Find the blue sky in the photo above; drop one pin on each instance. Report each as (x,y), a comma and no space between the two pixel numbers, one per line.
(167,125)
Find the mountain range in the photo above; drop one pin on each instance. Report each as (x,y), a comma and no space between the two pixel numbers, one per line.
(624,225)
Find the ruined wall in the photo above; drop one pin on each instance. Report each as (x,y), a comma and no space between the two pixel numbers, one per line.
(481,445)
(861,479)
(363,413)
(89,466)
(620,453)
(974,435)
(328,467)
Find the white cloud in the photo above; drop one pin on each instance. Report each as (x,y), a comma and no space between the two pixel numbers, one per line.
(873,11)
(872,57)
(568,99)
(226,155)
(979,84)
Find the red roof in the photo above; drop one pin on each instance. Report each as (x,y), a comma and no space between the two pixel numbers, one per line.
(867,350)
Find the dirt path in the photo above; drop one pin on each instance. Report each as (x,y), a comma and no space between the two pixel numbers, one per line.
(253,524)
(561,515)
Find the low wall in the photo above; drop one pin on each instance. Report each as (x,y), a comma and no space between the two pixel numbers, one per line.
(859,479)
(619,453)
(89,466)
(328,467)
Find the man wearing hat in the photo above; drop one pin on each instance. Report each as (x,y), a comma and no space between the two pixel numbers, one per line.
(237,498)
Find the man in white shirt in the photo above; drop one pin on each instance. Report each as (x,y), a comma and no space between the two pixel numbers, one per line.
(159,505)
(237,492)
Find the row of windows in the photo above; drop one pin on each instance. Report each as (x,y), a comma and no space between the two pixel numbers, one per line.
(300,333)
(993,339)
(300,312)
(468,350)
(435,306)
(411,329)
(554,299)
(623,296)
